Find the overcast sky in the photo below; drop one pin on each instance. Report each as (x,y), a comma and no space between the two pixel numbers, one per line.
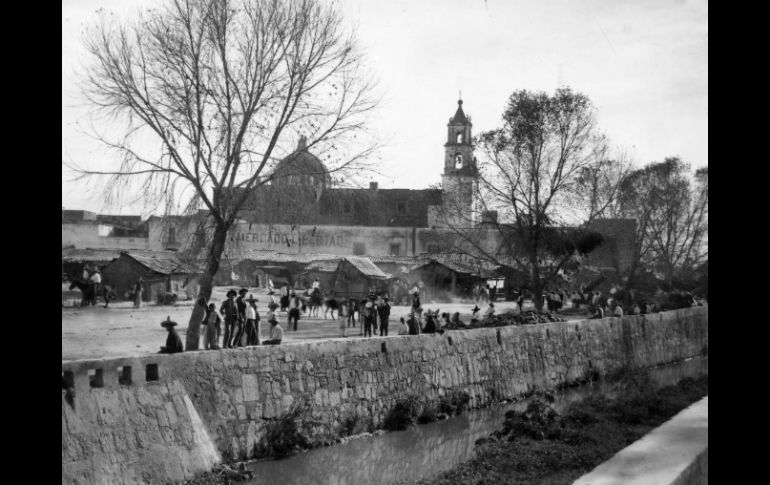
(644,63)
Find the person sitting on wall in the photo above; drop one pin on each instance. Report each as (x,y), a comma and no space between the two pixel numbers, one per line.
(414,325)
(475,314)
(618,310)
(403,329)
(598,312)
(173,342)
(490,310)
(276,332)
(456,322)
(213,323)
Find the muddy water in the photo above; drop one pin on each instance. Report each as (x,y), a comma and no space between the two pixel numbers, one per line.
(425,450)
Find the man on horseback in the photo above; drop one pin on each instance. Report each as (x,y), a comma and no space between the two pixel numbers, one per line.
(95,285)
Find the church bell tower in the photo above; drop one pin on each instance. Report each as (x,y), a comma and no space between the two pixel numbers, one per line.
(460,178)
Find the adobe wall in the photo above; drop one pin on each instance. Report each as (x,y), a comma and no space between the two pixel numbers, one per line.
(236,392)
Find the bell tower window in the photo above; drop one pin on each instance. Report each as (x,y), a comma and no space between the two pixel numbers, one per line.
(458,161)
(459,139)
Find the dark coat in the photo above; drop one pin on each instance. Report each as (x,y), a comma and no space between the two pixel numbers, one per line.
(241,307)
(173,342)
(414,327)
(229,309)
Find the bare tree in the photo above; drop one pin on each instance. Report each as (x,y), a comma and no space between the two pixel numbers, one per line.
(672,216)
(216,87)
(543,173)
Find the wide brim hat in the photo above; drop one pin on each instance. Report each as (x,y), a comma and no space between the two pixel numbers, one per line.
(168,323)
(232,292)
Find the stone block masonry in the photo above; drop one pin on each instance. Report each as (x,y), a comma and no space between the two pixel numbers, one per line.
(233,394)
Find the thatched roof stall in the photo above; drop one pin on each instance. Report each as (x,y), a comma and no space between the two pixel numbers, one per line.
(356,277)
(163,272)
(73,260)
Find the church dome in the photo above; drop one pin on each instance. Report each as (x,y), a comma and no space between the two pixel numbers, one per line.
(301,168)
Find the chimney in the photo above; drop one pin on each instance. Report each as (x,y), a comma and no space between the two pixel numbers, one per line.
(372,185)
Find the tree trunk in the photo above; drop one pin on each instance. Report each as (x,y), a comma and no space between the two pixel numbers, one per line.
(206,285)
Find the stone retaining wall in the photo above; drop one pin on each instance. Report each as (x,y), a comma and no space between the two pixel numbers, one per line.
(236,392)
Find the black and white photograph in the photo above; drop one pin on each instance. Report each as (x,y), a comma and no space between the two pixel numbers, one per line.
(406,242)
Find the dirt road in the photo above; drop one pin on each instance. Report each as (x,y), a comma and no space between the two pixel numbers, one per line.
(122,330)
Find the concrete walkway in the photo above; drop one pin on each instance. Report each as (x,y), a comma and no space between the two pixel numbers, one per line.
(675,453)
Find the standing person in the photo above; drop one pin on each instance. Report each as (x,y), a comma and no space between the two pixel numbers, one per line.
(476,294)
(241,325)
(229,310)
(284,297)
(342,319)
(294,305)
(86,273)
(276,332)
(493,293)
(213,323)
(384,313)
(416,306)
(351,312)
(370,312)
(96,282)
(316,286)
(138,292)
(520,300)
(252,322)
(173,342)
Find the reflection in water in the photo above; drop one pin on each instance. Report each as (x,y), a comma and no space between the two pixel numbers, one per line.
(425,450)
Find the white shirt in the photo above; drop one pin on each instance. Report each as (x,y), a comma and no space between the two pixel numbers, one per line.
(251,313)
(316,284)
(96,278)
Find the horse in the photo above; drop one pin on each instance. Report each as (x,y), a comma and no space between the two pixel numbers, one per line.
(314,302)
(90,296)
(331,304)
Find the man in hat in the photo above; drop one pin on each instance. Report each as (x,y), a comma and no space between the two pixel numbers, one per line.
(252,321)
(294,307)
(384,313)
(276,332)
(241,325)
(213,323)
(370,312)
(229,310)
(173,342)
(476,314)
(95,281)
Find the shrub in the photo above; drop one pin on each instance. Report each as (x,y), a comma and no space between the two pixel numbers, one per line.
(285,435)
(403,414)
